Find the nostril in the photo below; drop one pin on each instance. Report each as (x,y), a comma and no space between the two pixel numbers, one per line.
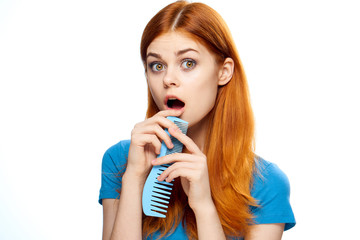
(170,80)
(170,83)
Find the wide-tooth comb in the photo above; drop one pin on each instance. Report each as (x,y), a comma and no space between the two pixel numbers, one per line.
(156,194)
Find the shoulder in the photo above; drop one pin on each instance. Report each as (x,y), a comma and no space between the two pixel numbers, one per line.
(269,175)
(116,155)
(119,149)
(113,165)
(271,190)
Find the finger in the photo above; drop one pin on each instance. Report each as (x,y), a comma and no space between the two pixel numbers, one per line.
(158,120)
(174,167)
(164,121)
(160,133)
(181,172)
(188,142)
(170,112)
(175,157)
(145,139)
(156,125)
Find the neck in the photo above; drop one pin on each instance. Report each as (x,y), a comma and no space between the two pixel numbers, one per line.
(198,133)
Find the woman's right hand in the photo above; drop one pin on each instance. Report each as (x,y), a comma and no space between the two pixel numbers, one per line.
(146,138)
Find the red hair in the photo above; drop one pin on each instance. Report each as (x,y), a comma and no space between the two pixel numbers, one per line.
(230,138)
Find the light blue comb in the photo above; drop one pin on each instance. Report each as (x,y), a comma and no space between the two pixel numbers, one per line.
(156,194)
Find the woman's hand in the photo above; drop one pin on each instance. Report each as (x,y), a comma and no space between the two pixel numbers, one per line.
(192,168)
(146,138)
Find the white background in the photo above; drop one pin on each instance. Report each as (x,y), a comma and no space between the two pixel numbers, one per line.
(72,84)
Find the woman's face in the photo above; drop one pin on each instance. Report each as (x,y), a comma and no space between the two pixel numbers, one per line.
(182,74)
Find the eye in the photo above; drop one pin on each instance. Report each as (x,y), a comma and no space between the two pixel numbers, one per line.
(188,64)
(156,67)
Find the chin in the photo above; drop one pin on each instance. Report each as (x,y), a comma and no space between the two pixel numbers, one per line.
(191,121)
(184,117)
(198,121)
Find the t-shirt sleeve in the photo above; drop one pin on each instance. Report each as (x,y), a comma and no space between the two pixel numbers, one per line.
(113,165)
(272,191)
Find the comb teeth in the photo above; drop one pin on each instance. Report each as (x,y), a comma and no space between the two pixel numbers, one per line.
(156,195)
(178,146)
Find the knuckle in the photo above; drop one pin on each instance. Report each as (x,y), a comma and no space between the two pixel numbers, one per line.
(157,118)
(176,156)
(173,174)
(136,125)
(159,130)
(135,128)
(202,161)
(203,157)
(133,134)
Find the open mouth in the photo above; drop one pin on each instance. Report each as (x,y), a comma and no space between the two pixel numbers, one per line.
(175,103)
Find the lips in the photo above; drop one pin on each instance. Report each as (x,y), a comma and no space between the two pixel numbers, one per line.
(173,102)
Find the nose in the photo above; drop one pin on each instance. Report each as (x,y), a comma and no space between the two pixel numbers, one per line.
(170,79)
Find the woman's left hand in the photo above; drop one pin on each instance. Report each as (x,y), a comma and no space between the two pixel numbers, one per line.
(191,168)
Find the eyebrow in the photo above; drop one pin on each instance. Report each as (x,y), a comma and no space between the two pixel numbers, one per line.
(185,51)
(153,55)
(180,52)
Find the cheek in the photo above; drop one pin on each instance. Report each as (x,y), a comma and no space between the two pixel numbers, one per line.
(204,94)
(210,97)
(207,89)
(155,93)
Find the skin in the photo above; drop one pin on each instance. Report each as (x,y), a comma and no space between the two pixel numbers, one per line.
(180,67)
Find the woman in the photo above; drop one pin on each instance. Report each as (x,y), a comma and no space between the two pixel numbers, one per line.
(222,190)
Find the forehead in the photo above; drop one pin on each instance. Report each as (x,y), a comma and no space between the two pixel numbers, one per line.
(172,42)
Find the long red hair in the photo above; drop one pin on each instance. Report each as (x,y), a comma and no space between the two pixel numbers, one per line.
(230,138)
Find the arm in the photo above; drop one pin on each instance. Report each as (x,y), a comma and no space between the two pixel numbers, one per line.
(110,207)
(266,232)
(191,167)
(208,223)
(123,218)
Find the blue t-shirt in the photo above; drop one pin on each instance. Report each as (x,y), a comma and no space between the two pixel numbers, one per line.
(271,189)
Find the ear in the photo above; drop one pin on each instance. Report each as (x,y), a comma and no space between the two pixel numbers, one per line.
(226,71)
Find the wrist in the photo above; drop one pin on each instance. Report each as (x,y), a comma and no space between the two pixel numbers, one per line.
(205,209)
(133,178)
(208,222)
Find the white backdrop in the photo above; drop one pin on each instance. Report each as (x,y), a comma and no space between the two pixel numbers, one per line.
(72,85)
